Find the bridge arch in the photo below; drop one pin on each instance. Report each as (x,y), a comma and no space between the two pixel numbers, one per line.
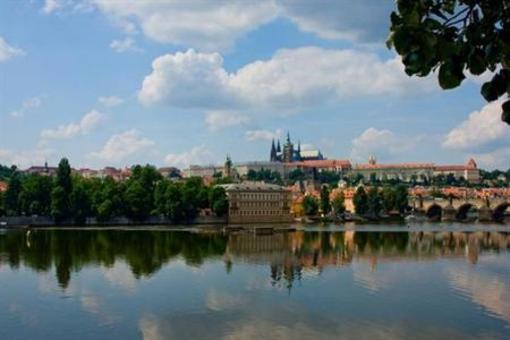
(499,211)
(463,211)
(435,212)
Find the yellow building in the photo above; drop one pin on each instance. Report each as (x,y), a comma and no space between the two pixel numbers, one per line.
(258,202)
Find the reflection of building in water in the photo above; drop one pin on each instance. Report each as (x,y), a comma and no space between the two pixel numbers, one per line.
(288,251)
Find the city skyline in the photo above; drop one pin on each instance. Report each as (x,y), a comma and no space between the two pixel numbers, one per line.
(107,84)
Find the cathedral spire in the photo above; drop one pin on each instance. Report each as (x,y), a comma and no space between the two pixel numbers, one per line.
(288,137)
(273,156)
(278,147)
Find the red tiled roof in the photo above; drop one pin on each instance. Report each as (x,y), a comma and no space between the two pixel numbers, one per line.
(452,168)
(3,186)
(324,163)
(395,166)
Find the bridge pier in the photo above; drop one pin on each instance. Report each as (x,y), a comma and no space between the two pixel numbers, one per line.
(449,214)
(485,214)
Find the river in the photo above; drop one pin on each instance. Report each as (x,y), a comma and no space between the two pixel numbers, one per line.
(371,282)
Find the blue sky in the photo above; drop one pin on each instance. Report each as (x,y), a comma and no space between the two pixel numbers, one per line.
(177,82)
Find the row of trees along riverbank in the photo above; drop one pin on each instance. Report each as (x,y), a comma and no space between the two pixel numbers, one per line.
(67,197)
(369,203)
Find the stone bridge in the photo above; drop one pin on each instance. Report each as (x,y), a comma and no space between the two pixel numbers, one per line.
(459,209)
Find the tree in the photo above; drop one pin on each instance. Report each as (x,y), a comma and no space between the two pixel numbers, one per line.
(360,201)
(338,203)
(324,201)
(455,37)
(59,204)
(389,198)
(374,202)
(137,199)
(11,198)
(401,198)
(310,205)
(64,176)
(218,201)
(80,202)
(35,196)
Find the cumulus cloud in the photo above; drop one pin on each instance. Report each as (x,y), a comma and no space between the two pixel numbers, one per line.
(205,24)
(254,135)
(480,129)
(123,145)
(110,101)
(217,120)
(51,6)
(495,159)
(27,105)
(290,80)
(126,45)
(87,124)
(383,143)
(364,21)
(8,52)
(216,25)
(197,155)
(25,158)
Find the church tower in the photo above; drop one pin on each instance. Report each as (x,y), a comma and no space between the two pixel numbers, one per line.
(227,168)
(288,150)
(273,157)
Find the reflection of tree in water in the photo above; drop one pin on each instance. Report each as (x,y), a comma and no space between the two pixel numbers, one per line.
(291,255)
(70,250)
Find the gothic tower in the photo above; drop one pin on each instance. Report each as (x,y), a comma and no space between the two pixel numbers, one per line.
(273,157)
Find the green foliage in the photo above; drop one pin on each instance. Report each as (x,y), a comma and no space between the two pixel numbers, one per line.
(59,204)
(338,203)
(218,201)
(11,198)
(296,175)
(455,37)
(374,202)
(401,198)
(80,201)
(145,193)
(64,176)
(310,205)
(360,201)
(324,200)
(35,195)
(265,175)
(7,172)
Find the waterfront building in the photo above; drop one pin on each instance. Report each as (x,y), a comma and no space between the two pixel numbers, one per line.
(258,202)
(419,172)
(468,171)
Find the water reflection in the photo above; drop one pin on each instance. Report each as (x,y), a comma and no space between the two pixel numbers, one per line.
(290,255)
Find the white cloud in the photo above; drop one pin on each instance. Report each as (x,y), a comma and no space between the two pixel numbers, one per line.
(495,159)
(27,105)
(480,129)
(7,51)
(359,21)
(25,158)
(254,135)
(204,24)
(217,120)
(290,80)
(197,155)
(110,101)
(216,25)
(123,145)
(88,123)
(51,6)
(126,45)
(382,143)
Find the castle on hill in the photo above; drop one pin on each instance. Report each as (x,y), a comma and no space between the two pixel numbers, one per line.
(289,154)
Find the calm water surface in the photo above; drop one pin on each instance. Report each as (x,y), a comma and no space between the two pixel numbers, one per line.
(318,283)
